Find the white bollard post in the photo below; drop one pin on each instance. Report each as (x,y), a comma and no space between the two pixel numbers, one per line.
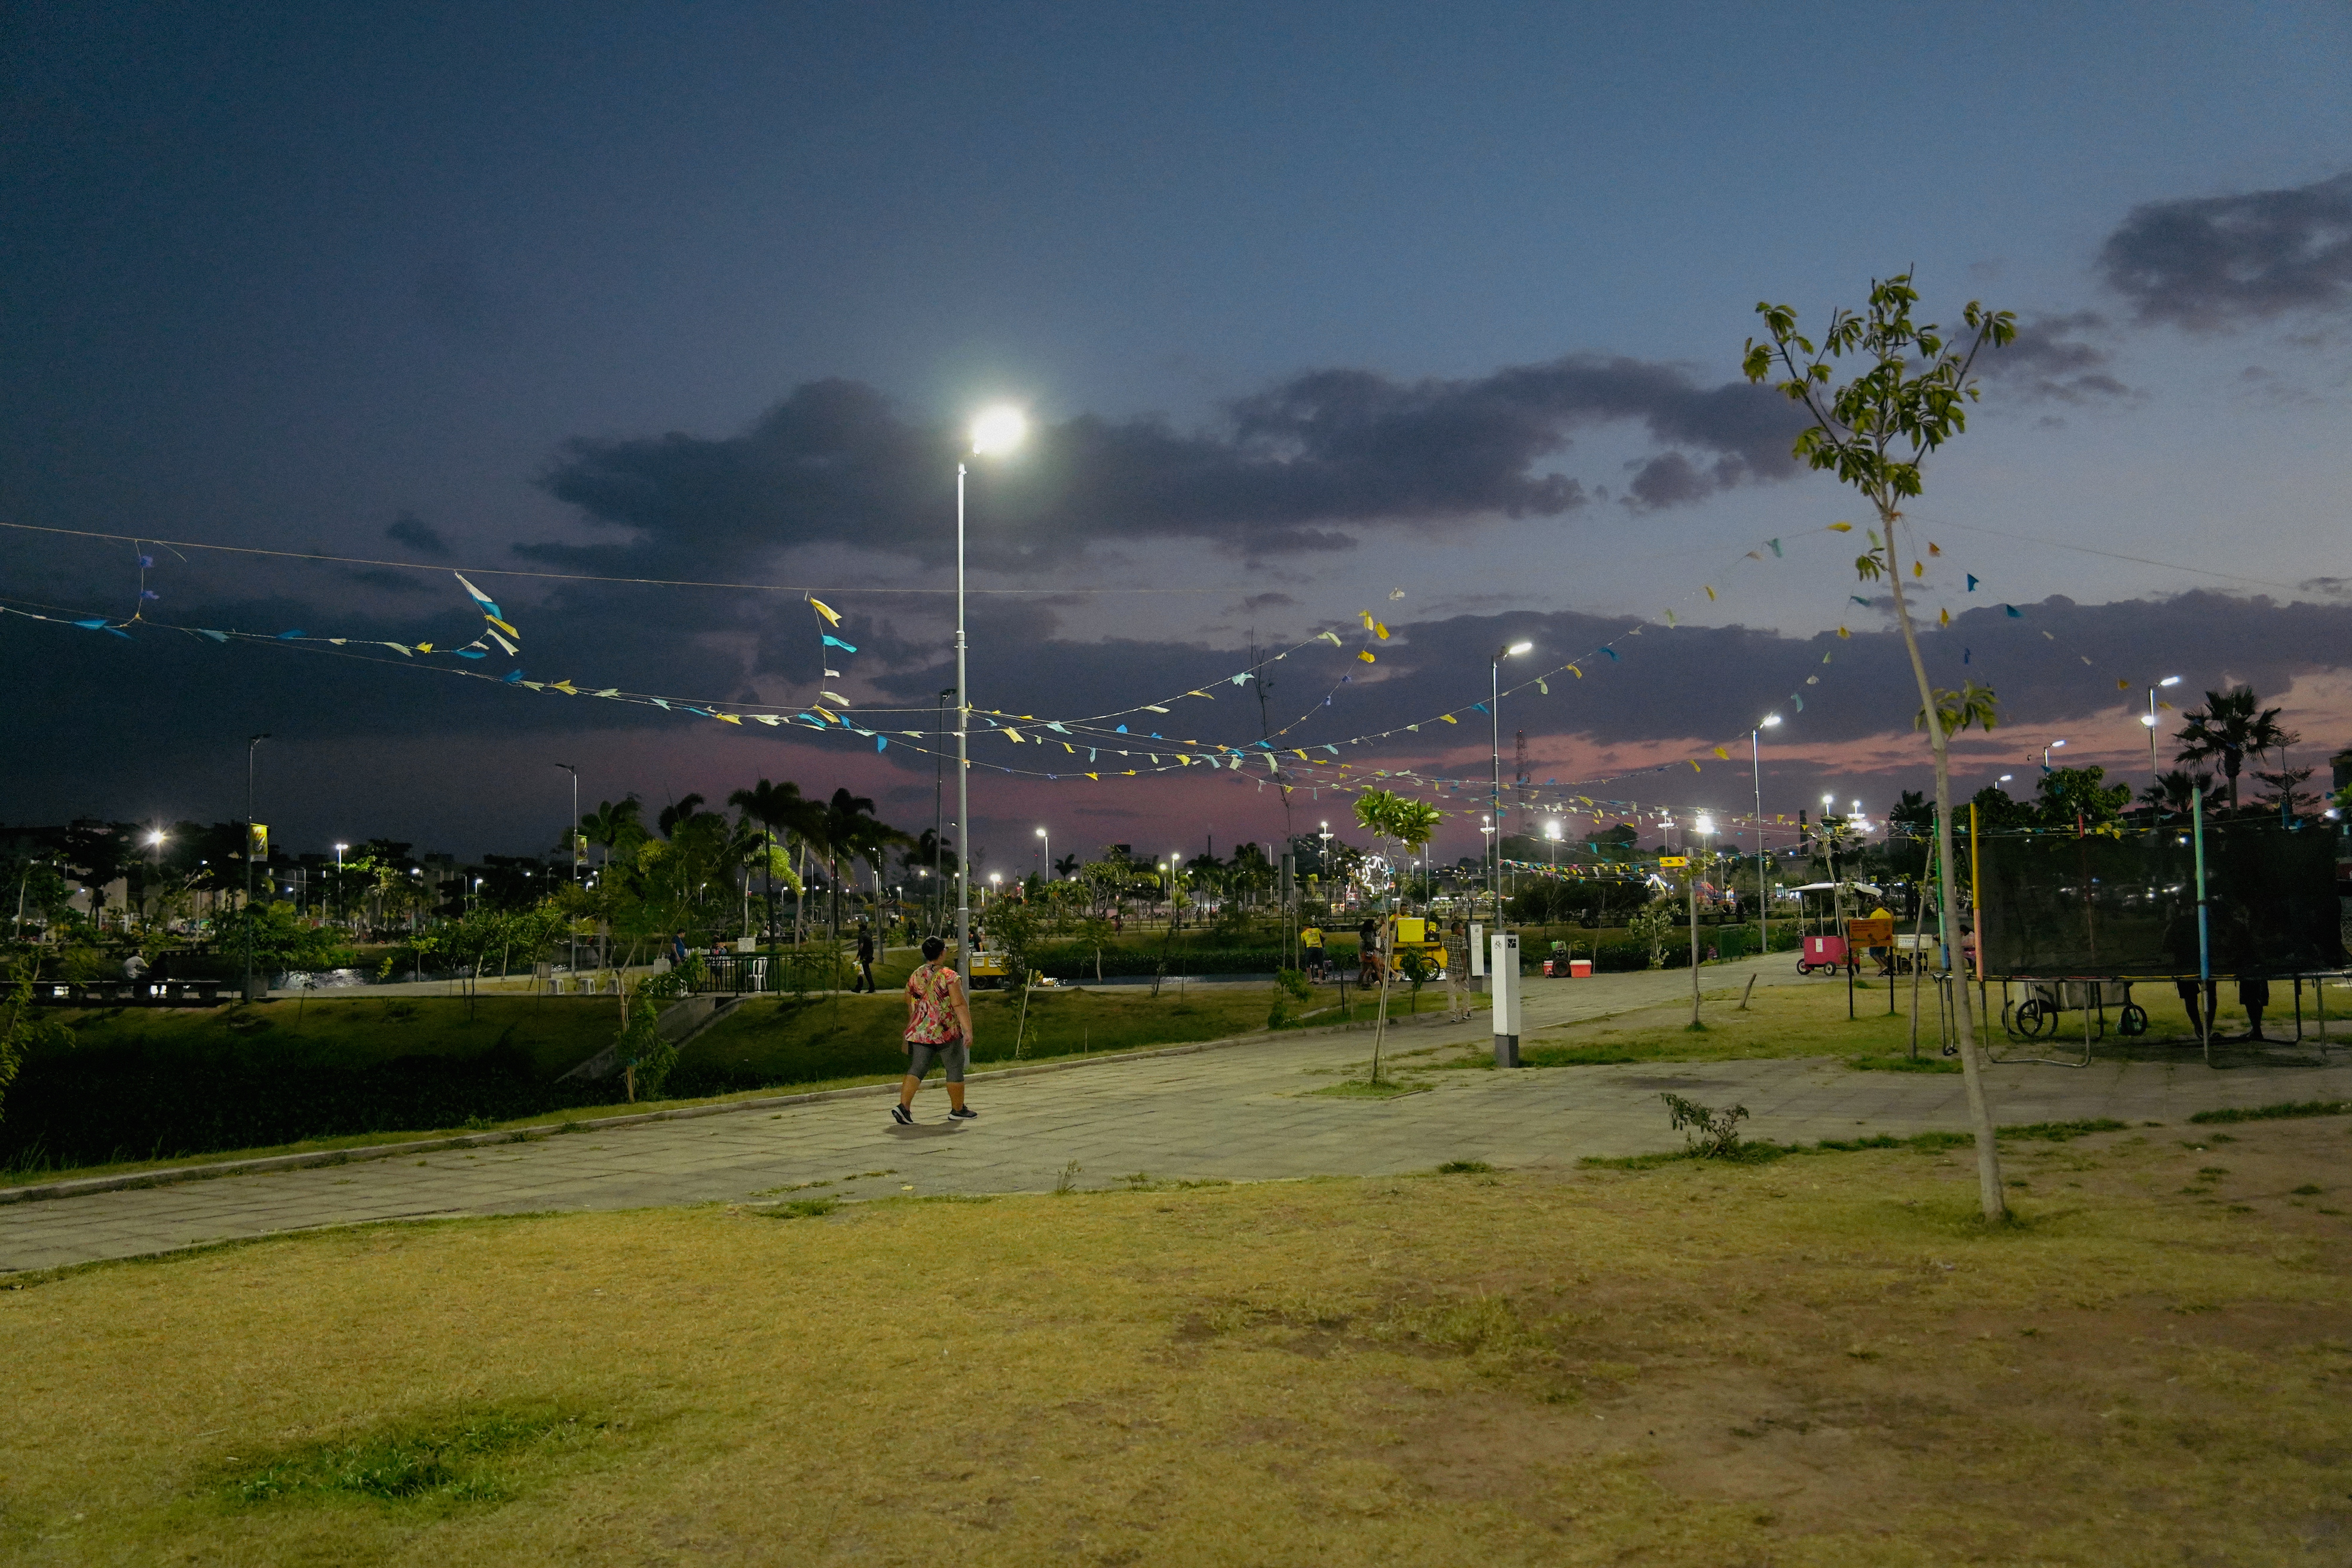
(1477,956)
(1505,990)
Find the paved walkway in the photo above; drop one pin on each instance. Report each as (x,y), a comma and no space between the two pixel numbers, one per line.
(1245,1113)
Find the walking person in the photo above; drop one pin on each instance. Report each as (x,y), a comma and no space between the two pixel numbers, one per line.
(1367,953)
(865,957)
(938,1028)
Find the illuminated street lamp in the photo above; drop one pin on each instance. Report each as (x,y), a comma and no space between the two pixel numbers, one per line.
(1703,826)
(995,432)
(2151,720)
(1494,727)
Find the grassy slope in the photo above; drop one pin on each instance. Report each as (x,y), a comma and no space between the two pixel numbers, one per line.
(558,1032)
(1824,1361)
(846,1036)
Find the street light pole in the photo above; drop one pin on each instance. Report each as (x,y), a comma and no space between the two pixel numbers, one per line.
(250,744)
(1763,867)
(1494,727)
(1047,875)
(963,767)
(2150,723)
(572,843)
(997,430)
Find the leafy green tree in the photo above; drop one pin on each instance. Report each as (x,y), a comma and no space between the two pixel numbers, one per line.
(1409,824)
(280,941)
(25,1029)
(2078,797)
(1909,395)
(2231,724)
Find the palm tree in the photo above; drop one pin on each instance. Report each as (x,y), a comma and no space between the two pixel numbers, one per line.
(614,825)
(778,809)
(671,816)
(2173,791)
(2230,724)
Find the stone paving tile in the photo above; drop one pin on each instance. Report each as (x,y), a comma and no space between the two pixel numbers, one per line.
(1241,1113)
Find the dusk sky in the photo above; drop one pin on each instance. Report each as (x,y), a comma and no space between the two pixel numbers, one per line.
(1433,312)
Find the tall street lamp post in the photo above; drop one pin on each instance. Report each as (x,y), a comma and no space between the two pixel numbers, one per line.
(1495,726)
(1763,864)
(2150,723)
(1706,829)
(250,834)
(571,842)
(2045,753)
(1047,875)
(994,433)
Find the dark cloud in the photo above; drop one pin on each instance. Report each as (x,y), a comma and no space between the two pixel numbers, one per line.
(1288,470)
(2212,262)
(2052,360)
(1268,602)
(414,531)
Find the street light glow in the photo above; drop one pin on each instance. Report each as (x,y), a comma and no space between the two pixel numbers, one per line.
(2169,680)
(996,431)
(1705,826)
(156,836)
(1520,647)
(1771,720)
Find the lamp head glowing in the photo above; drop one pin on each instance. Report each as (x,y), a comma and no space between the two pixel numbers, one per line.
(2055,744)
(1041,833)
(1517,648)
(2149,720)
(1551,828)
(1705,825)
(998,430)
(156,836)
(2169,680)
(2004,778)
(1771,721)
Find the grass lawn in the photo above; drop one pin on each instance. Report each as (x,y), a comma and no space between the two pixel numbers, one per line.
(1822,1360)
(1808,1018)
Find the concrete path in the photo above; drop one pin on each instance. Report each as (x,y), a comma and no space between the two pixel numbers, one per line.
(1245,1113)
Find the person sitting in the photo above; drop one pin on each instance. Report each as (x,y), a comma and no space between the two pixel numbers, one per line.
(2253,996)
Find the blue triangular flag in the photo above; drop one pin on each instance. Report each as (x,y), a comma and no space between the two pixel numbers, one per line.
(1612,653)
(832,641)
(1775,544)
(881,742)
(1967,655)
(1121,731)
(1972,582)
(2014,613)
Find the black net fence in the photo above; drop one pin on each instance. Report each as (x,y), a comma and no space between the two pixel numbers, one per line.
(2058,905)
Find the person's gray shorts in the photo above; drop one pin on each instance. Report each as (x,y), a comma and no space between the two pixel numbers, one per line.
(953,1054)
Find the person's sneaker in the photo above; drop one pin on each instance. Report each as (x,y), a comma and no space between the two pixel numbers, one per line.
(963,1113)
(902,1116)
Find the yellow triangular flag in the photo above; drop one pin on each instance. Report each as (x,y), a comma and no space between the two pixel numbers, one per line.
(1710,594)
(821,608)
(1946,619)
(1449,718)
(1723,754)
(1366,655)
(1840,528)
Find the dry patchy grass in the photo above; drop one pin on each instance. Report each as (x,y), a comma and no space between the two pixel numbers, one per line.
(1819,1360)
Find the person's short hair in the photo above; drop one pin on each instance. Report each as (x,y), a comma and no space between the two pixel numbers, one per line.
(933,947)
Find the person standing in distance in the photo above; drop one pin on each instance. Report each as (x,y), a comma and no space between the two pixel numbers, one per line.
(938,1028)
(864,959)
(1310,951)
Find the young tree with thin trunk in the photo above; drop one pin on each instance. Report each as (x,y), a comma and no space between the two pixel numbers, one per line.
(1909,397)
(1410,823)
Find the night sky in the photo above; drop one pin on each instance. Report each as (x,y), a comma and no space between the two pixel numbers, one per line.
(1433,312)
